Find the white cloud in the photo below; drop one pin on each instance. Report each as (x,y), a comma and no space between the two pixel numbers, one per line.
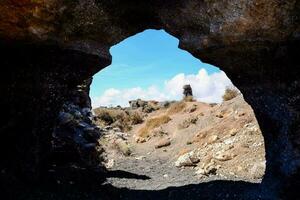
(206,88)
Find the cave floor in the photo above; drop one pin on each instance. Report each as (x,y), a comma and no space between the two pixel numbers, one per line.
(148,173)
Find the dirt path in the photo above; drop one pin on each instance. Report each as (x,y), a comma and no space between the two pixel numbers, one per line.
(161,173)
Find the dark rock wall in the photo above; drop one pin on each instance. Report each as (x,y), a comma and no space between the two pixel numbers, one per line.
(269,81)
(50,47)
(35,82)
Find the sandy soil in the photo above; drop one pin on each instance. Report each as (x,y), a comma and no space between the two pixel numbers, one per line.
(225,141)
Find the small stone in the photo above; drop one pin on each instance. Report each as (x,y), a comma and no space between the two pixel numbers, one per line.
(140,157)
(219,116)
(201,171)
(110,163)
(224,156)
(140,139)
(188,159)
(229,141)
(233,132)
(208,168)
(163,143)
(212,139)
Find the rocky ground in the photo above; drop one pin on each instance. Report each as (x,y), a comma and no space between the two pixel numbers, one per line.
(169,144)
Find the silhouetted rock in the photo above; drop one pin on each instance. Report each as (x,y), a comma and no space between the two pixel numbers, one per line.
(187,91)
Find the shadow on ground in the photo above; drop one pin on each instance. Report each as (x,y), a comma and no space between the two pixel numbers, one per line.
(211,190)
(124,174)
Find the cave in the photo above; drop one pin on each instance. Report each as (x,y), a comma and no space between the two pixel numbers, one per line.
(51,49)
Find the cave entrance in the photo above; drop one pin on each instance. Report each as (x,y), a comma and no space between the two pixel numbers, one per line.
(168,119)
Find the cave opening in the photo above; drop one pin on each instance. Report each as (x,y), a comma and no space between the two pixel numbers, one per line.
(48,49)
(163,134)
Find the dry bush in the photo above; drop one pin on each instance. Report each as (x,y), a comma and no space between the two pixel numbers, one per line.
(187,122)
(120,118)
(136,118)
(230,93)
(153,123)
(188,99)
(122,146)
(115,117)
(104,116)
(176,108)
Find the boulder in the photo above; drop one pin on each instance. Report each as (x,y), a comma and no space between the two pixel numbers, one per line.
(163,143)
(208,168)
(187,91)
(224,156)
(188,159)
(147,106)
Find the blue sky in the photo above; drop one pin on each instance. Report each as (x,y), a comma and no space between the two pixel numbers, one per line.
(147,59)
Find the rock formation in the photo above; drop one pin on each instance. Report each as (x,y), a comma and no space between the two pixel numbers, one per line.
(50,47)
(146,106)
(187,91)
